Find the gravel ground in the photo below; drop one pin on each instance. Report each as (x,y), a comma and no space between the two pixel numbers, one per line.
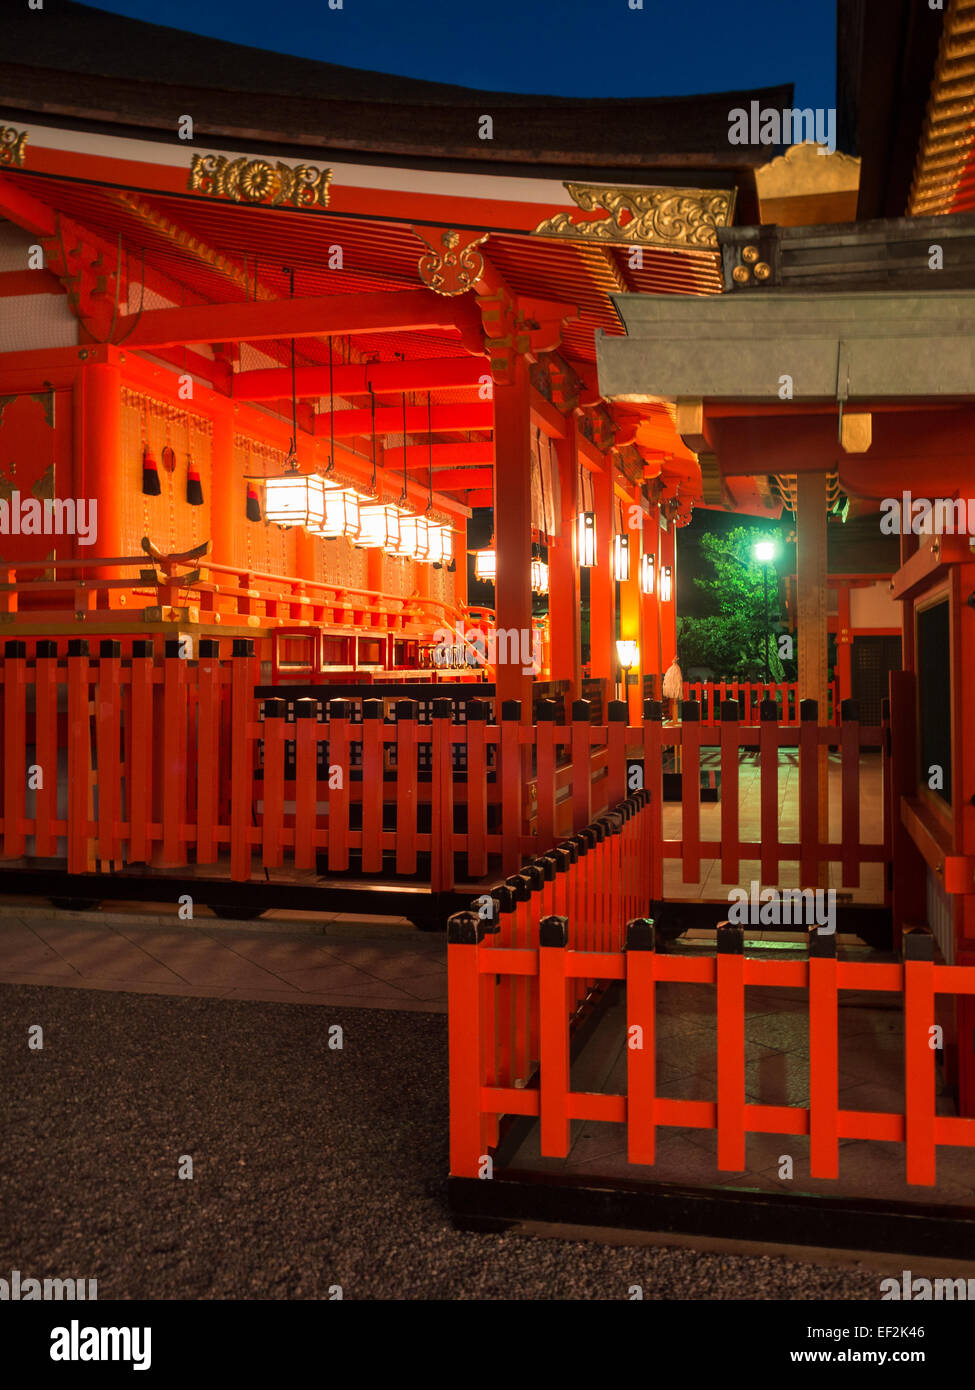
(311,1167)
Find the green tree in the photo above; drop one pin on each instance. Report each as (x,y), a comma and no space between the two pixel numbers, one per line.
(731,639)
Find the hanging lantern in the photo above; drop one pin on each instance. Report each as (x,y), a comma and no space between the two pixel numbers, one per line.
(415,539)
(621,557)
(646,574)
(666,583)
(586,535)
(341,514)
(295,499)
(441,543)
(539,571)
(379,526)
(486,565)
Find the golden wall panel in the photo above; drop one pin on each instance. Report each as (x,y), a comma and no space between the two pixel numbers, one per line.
(168,520)
(258,545)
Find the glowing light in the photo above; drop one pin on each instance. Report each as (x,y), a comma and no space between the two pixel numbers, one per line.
(764,551)
(379,526)
(341,514)
(666,583)
(621,557)
(646,574)
(586,534)
(539,576)
(486,564)
(441,543)
(628,652)
(414,542)
(295,499)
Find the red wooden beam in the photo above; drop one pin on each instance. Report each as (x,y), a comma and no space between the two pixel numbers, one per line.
(445,374)
(394,311)
(447,456)
(457,479)
(477,416)
(24,211)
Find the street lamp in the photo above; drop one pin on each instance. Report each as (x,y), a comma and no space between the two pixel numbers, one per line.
(629,655)
(764,553)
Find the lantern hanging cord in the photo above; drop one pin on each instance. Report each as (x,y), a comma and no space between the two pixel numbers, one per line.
(331,412)
(372,403)
(430,449)
(402,496)
(293,449)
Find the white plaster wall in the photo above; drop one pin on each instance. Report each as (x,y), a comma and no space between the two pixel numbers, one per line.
(874,607)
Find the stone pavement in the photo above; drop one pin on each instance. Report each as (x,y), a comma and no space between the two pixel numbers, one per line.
(710,886)
(372,963)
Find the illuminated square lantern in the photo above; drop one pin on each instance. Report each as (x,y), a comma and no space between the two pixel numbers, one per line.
(486,565)
(539,573)
(379,527)
(646,574)
(295,499)
(666,582)
(416,540)
(441,543)
(341,514)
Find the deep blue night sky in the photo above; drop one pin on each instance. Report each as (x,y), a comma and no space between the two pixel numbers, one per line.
(557,47)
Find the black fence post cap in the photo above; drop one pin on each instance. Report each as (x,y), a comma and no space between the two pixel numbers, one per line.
(731,939)
(640,935)
(464,929)
(553,931)
(821,945)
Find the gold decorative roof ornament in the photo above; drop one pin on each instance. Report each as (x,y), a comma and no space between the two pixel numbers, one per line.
(449,267)
(948,137)
(258,181)
(12,147)
(673,219)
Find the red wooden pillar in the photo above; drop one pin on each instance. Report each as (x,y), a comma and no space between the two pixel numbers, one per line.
(844,645)
(563,576)
(229,498)
(651,645)
(630,611)
(98,453)
(602,593)
(667,608)
(512,530)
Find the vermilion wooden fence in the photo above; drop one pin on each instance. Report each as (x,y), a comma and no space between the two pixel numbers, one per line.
(710,695)
(729,747)
(549,968)
(176,763)
(597,877)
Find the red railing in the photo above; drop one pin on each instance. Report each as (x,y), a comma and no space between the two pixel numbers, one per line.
(173,763)
(551,966)
(595,879)
(730,748)
(121,594)
(749,696)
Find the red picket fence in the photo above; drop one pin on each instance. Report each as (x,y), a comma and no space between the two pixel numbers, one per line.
(597,878)
(723,745)
(710,695)
(550,967)
(177,763)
